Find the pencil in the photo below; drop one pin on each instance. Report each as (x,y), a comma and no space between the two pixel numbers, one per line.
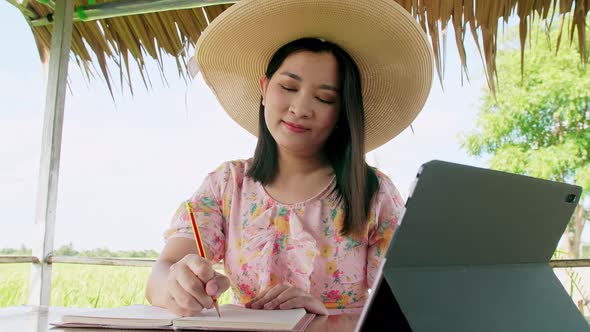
(199,242)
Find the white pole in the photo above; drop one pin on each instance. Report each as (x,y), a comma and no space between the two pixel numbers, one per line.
(61,37)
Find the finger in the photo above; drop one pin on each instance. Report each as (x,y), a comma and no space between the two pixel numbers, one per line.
(287,294)
(310,304)
(216,286)
(183,300)
(262,299)
(194,286)
(269,296)
(201,267)
(291,303)
(211,288)
(257,297)
(177,309)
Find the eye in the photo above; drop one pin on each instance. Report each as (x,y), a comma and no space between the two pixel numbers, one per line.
(287,89)
(329,102)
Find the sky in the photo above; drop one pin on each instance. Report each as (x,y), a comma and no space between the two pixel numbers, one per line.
(127,164)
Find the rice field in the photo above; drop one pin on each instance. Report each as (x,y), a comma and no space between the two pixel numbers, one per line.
(75,285)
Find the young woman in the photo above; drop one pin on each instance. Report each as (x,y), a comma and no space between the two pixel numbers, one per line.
(305,222)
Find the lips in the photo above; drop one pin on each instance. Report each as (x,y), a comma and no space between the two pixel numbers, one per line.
(295,127)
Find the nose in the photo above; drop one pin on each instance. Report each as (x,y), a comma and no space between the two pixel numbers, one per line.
(301,106)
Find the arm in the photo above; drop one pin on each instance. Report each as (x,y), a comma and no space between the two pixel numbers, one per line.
(181,280)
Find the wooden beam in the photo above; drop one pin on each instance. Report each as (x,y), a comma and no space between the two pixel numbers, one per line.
(100,261)
(44,226)
(19,259)
(563,263)
(112,261)
(132,7)
(556,264)
(88,260)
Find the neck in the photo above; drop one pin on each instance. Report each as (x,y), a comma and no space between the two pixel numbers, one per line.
(296,165)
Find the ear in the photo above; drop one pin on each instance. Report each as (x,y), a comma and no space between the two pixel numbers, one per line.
(263,87)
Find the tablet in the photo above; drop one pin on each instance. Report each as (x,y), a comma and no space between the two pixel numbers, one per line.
(472,253)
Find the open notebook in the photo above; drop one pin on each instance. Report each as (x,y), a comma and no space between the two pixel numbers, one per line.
(233,318)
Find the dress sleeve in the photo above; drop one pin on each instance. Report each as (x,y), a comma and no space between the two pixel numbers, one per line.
(206,203)
(385,216)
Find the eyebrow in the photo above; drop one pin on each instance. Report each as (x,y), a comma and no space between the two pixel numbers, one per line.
(298,78)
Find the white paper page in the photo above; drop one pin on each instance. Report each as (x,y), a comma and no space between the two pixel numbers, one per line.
(238,316)
(123,315)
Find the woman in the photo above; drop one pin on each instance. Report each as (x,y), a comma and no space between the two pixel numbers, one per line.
(306,222)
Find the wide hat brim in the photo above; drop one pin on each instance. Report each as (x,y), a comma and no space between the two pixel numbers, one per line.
(388,45)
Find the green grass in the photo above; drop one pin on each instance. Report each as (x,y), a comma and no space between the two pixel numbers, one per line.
(75,285)
(14,284)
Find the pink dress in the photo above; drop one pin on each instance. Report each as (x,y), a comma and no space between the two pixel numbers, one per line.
(263,242)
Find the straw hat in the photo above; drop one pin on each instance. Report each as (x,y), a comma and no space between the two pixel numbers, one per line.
(389,47)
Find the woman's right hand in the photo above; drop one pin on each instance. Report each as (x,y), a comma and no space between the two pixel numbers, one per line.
(192,285)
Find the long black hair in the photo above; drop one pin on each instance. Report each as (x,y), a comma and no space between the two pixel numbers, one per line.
(356,182)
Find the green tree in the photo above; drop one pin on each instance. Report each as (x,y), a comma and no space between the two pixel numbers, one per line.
(538,123)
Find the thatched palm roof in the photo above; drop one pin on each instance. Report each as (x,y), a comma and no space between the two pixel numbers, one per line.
(129,39)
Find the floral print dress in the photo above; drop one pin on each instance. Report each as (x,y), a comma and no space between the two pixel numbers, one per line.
(263,242)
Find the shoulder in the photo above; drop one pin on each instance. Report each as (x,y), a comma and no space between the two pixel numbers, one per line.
(387,189)
(229,172)
(383,179)
(238,166)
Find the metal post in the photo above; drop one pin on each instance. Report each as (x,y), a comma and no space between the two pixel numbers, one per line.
(40,288)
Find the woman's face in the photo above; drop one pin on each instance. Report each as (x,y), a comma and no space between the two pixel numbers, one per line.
(302,101)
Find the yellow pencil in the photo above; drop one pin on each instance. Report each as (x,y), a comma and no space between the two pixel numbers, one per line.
(199,242)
